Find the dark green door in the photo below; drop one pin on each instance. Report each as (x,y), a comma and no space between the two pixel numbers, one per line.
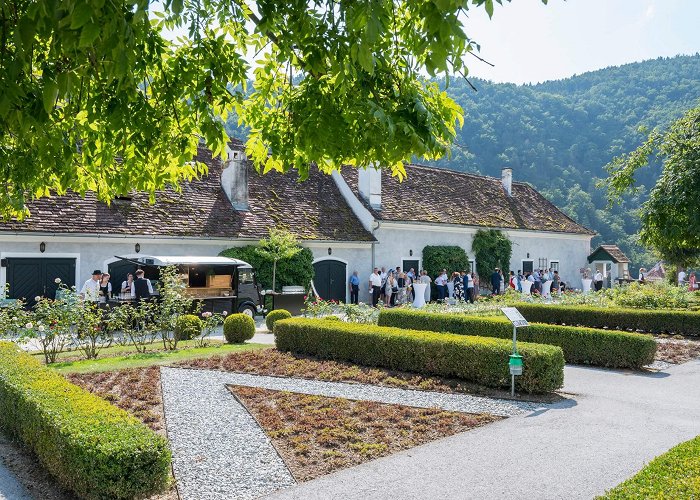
(329,280)
(410,264)
(32,277)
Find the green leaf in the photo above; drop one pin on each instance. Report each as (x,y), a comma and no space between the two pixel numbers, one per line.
(364,57)
(88,35)
(81,15)
(488,5)
(50,95)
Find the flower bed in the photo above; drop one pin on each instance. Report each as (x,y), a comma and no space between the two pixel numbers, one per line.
(580,345)
(91,447)
(477,359)
(643,320)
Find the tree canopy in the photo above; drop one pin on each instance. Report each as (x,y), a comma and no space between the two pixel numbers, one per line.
(113,96)
(671,216)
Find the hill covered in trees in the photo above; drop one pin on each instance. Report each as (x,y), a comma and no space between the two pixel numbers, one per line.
(559,135)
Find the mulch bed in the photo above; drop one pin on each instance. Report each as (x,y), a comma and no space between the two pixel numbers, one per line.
(677,351)
(136,390)
(316,435)
(282,364)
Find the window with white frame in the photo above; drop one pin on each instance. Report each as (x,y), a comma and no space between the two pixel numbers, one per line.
(554,265)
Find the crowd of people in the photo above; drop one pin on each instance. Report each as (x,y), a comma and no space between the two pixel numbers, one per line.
(394,286)
(99,288)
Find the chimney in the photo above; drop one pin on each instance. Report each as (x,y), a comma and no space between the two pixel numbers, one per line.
(507,180)
(234,179)
(369,183)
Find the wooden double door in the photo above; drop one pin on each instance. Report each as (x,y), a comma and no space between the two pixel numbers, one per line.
(28,278)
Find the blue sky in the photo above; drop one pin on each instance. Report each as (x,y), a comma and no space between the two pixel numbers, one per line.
(532,42)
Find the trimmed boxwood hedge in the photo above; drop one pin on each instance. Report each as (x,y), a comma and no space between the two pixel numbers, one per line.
(675,474)
(476,359)
(643,320)
(580,345)
(91,447)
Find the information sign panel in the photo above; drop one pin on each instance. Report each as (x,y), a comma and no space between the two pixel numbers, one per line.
(514,316)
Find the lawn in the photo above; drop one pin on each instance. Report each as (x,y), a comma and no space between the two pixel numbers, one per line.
(675,474)
(120,360)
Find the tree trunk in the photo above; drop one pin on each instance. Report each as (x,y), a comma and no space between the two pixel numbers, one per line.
(274,273)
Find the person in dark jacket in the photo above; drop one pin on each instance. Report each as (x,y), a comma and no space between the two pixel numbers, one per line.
(496,282)
(142,287)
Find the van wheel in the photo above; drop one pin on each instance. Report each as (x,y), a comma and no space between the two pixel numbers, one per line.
(247,310)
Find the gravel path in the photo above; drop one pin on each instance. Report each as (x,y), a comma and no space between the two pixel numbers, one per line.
(219,451)
(421,399)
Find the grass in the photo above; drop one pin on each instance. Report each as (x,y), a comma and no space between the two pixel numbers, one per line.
(139,360)
(675,474)
(316,435)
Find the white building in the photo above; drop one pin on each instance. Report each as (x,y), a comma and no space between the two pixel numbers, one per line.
(352,221)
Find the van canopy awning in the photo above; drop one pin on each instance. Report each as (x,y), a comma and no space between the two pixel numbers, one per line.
(169,260)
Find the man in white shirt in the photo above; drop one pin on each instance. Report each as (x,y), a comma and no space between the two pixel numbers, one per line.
(681,277)
(375,286)
(598,280)
(91,288)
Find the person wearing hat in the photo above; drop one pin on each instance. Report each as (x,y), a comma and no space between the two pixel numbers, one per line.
(91,288)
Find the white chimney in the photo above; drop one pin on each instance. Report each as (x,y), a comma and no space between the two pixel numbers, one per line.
(507,180)
(234,179)
(369,183)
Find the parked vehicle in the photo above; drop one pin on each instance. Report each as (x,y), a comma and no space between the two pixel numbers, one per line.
(221,283)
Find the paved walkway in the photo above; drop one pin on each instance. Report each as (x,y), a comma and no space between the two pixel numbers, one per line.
(620,421)
(10,487)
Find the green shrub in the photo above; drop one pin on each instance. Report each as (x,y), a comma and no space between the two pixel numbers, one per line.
(238,328)
(298,270)
(187,327)
(492,249)
(273,316)
(650,321)
(439,257)
(675,474)
(476,359)
(91,447)
(580,345)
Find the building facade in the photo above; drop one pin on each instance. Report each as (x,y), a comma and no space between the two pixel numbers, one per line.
(353,220)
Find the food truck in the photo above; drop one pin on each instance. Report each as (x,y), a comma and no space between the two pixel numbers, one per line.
(221,283)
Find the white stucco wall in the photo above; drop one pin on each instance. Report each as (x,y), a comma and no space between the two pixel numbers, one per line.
(96,252)
(397,240)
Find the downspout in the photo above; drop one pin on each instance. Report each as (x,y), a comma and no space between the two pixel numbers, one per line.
(377,226)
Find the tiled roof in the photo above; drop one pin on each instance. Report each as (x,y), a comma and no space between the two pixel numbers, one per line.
(612,251)
(442,196)
(312,210)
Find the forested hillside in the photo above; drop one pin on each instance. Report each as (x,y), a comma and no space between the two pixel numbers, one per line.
(559,135)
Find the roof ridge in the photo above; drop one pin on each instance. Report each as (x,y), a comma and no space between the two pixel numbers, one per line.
(465,174)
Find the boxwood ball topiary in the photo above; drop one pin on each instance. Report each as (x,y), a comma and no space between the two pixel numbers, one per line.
(238,328)
(275,315)
(187,327)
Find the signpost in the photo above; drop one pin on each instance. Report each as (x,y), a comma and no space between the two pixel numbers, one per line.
(515,363)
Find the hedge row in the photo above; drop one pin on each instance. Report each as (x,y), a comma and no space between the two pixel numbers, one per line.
(580,345)
(476,359)
(643,320)
(91,447)
(675,474)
